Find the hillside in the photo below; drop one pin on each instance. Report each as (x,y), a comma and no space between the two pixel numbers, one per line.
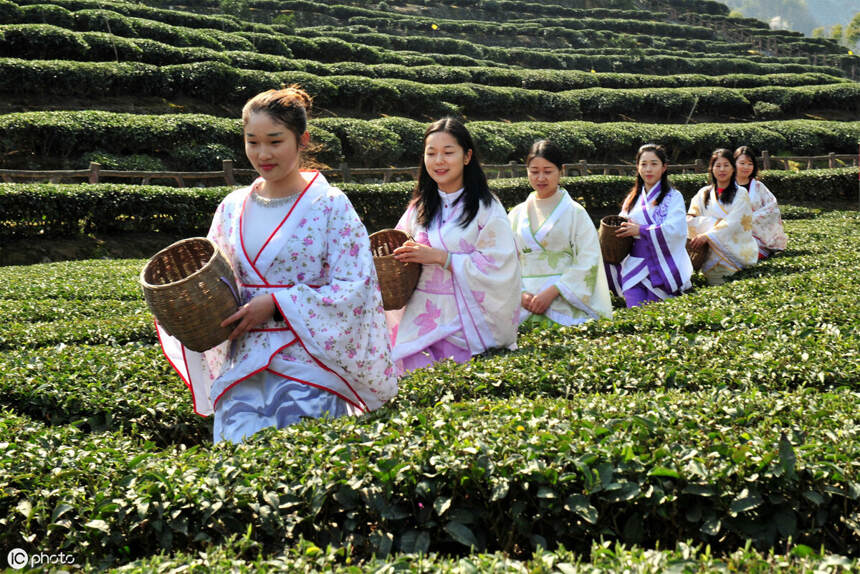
(679,70)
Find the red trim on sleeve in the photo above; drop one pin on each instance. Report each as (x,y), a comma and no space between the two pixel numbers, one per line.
(178,372)
(248,376)
(321,364)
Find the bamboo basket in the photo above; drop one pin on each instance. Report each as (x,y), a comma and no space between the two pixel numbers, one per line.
(190,288)
(614,249)
(697,256)
(397,279)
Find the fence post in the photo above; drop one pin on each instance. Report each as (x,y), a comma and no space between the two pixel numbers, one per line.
(700,166)
(227,167)
(831,160)
(513,168)
(765,159)
(386,175)
(583,167)
(344,171)
(95,168)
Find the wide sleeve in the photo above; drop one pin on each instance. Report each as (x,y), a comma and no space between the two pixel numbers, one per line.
(767,225)
(483,274)
(697,220)
(513,221)
(341,323)
(579,282)
(199,370)
(732,236)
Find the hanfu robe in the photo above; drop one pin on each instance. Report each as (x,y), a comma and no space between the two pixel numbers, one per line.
(471,307)
(658,266)
(728,229)
(562,250)
(767,226)
(331,351)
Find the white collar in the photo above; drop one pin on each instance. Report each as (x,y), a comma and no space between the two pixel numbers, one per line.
(450,198)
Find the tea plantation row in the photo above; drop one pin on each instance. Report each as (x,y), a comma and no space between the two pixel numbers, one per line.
(217,82)
(49,210)
(41,139)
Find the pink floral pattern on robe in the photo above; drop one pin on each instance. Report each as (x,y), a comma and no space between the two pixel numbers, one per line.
(318,268)
(473,302)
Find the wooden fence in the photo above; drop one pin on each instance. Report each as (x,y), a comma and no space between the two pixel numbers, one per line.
(229,175)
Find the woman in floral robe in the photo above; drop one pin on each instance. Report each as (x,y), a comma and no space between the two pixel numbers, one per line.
(658,266)
(767,226)
(310,337)
(720,215)
(463,304)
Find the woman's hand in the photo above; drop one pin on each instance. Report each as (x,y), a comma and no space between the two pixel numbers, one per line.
(698,241)
(411,252)
(628,229)
(526,300)
(250,315)
(541,302)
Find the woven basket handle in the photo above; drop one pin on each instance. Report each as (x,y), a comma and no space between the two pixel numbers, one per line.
(233,291)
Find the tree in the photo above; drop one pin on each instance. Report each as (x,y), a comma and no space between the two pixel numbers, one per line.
(836,33)
(852,32)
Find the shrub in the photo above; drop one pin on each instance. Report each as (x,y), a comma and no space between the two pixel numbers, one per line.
(363,142)
(766,110)
(10,12)
(41,41)
(137,162)
(201,157)
(47,14)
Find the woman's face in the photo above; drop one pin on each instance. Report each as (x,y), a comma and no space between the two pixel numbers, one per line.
(445,160)
(745,167)
(543,176)
(651,168)
(271,147)
(722,171)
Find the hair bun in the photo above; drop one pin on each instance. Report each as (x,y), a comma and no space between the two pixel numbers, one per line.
(294,95)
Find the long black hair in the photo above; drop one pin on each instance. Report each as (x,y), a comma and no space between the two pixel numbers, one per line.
(729,192)
(637,188)
(477,191)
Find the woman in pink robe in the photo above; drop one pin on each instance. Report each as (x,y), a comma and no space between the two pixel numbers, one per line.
(467,299)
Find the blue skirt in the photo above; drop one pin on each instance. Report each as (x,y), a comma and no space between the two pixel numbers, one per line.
(269,400)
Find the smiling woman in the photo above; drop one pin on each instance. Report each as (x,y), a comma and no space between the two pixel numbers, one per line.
(721,215)
(464,303)
(309,338)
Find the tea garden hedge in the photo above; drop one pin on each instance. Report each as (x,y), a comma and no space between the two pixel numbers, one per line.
(719,424)
(717,431)
(504,61)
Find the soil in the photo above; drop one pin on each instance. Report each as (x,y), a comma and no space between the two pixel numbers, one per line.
(129,245)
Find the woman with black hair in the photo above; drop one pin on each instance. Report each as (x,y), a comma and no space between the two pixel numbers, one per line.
(563,278)
(767,226)
(658,266)
(721,215)
(467,298)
